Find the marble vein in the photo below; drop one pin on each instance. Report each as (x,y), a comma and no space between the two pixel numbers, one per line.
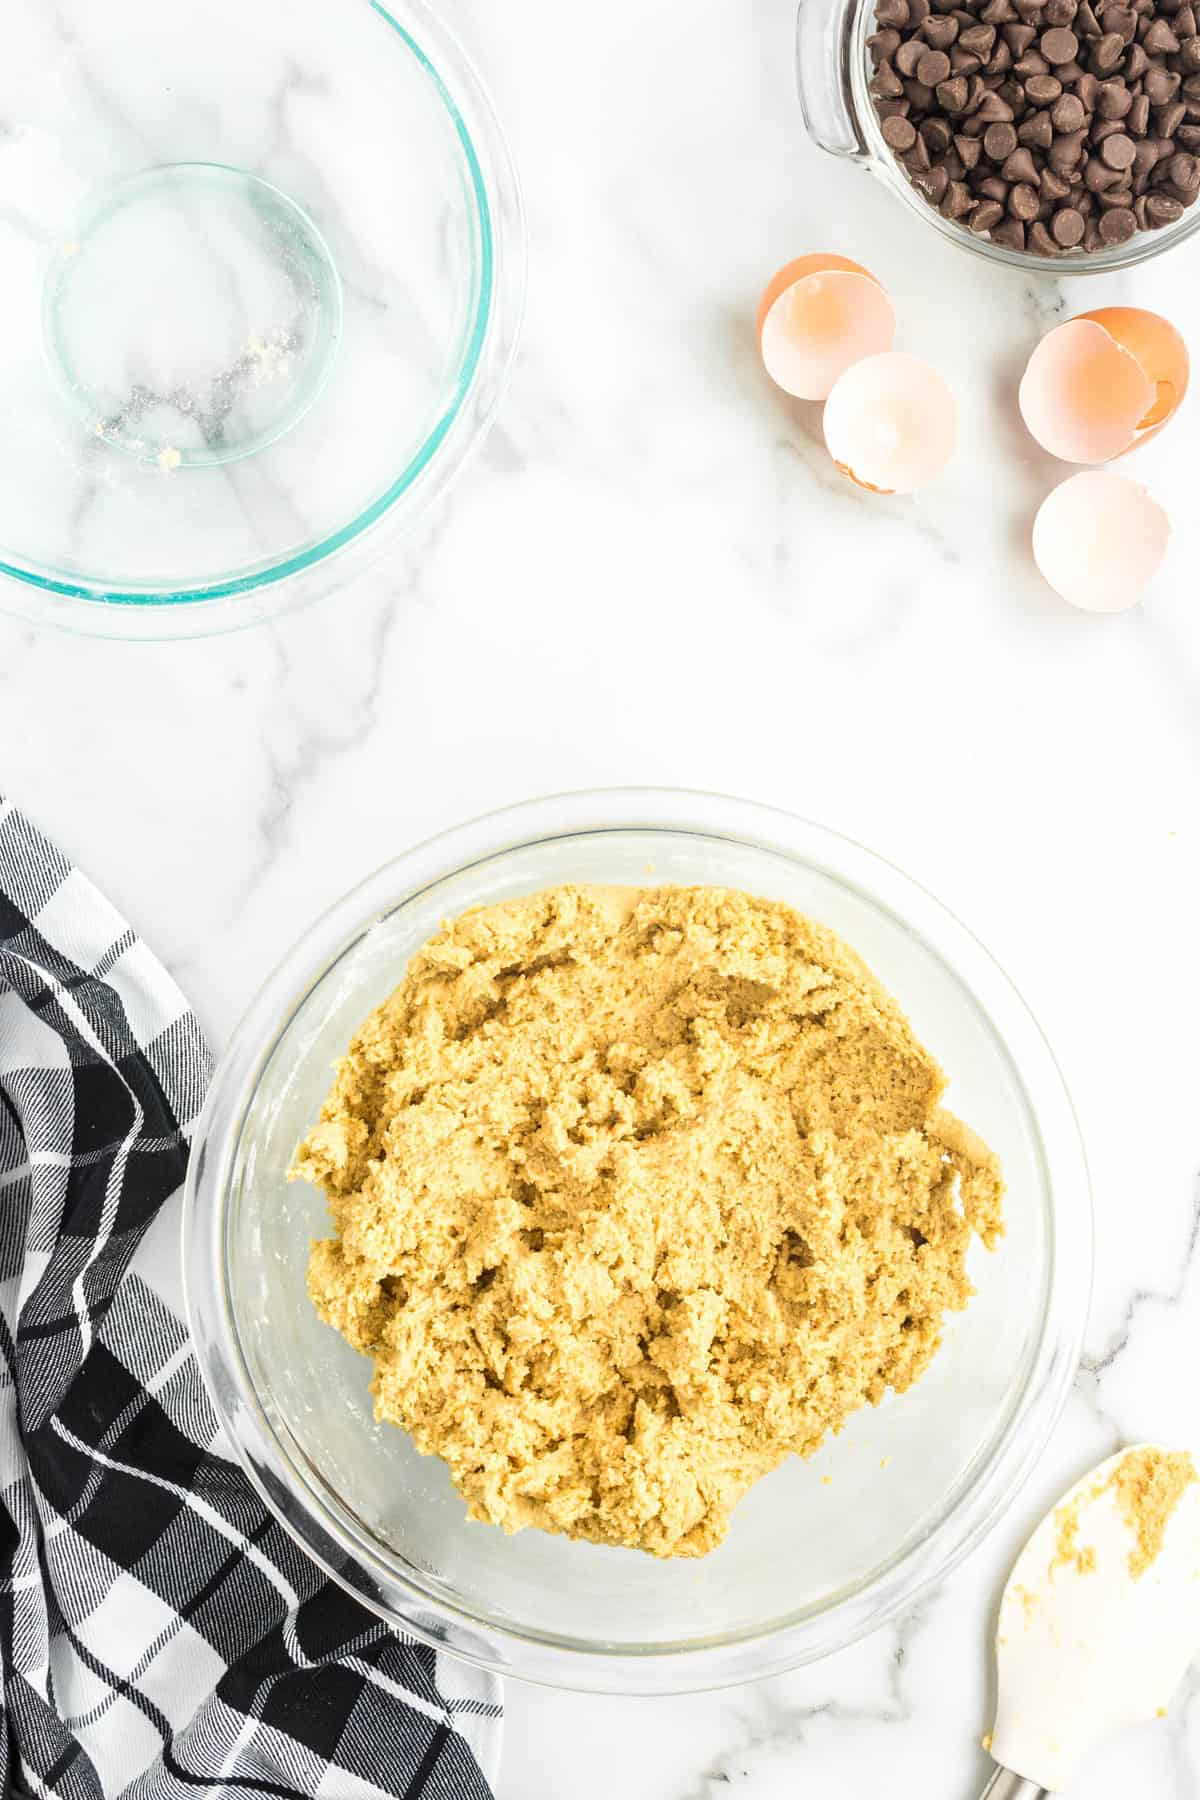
(1148,1300)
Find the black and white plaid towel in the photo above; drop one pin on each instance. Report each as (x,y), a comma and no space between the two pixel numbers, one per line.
(160,1634)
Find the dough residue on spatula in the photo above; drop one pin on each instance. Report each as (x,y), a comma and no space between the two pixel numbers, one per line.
(1147,1484)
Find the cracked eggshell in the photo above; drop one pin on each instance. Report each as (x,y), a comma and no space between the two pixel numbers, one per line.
(1099,539)
(891,423)
(1103,383)
(819,315)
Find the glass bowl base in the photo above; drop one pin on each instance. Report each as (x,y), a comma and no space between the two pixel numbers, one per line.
(195,315)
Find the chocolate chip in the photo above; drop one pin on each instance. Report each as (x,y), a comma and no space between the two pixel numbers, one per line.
(980,40)
(985,215)
(1058,45)
(1087,25)
(1020,166)
(957,200)
(1087,88)
(1036,131)
(1044,89)
(1023,202)
(1117,226)
(1068,114)
(899,134)
(1053,186)
(1097,176)
(1161,85)
(1031,64)
(937,134)
(1038,239)
(934,67)
(952,94)
(1185,22)
(885,84)
(1113,100)
(999,141)
(1018,37)
(1183,171)
(1121,19)
(1168,119)
(969,150)
(1106,52)
(1189,54)
(1162,210)
(939,34)
(1119,151)
(992,188)
(1065,151)
(892,12)
(933,185)
(1066,227)
(908,56)
(1160,39)
(1136,63)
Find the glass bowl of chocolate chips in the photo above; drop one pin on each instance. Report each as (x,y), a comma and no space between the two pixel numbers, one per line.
(1034,132)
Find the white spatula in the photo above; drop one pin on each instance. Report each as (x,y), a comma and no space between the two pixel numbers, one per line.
(1092,1636)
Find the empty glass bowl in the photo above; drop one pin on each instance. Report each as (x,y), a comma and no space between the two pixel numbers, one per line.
(263,271)
(821,1550)
(833,67)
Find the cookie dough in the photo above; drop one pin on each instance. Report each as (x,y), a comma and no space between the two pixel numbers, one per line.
(636,1193)
(1149,1485)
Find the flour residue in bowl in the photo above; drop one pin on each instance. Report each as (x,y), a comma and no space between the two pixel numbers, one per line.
(635,1194)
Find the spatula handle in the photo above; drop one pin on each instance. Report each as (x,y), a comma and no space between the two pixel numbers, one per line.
(1004,1785)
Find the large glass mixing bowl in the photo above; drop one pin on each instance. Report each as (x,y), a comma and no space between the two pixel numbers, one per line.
(809,1563)
(263,271)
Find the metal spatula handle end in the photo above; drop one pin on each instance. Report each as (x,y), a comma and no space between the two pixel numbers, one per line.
(1004,1785)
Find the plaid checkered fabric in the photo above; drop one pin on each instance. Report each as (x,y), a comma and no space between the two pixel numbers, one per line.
(159,1633)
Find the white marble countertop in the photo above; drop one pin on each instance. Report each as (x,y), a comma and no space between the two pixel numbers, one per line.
(652,574)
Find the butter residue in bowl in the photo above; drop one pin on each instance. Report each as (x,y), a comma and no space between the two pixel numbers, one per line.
(635,1193)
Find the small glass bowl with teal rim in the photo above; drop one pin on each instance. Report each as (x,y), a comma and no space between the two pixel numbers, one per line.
(264,272)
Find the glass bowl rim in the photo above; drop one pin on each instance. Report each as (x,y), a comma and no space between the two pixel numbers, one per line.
(491,334)
(330,1535)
